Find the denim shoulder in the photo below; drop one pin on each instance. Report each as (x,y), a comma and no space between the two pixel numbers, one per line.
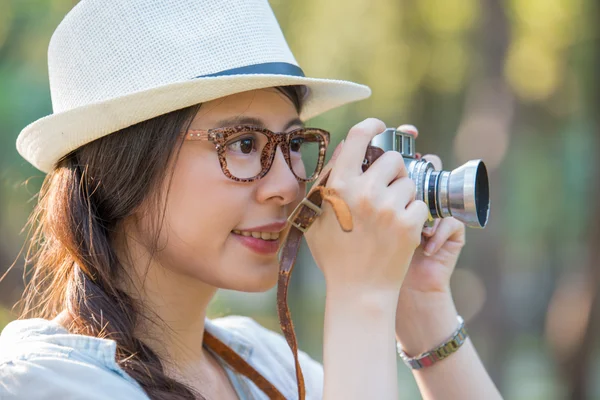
(39,359)
(270,354)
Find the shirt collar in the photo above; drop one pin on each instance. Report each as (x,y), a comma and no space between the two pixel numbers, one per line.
(230,337)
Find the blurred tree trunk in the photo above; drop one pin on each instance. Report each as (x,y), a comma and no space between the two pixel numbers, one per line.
(490,98)
(577,365)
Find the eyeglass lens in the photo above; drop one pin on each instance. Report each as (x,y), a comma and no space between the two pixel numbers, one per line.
(244,151)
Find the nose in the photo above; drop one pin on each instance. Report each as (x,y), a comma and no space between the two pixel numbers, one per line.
(279,184)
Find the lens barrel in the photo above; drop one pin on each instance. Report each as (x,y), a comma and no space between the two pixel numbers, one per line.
(462,193)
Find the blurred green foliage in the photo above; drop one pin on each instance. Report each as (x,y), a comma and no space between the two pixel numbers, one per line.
(512,82)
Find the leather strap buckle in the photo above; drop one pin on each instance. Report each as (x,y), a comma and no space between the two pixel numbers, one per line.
(297,222)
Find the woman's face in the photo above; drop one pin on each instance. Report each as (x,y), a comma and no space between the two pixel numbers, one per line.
(207,214)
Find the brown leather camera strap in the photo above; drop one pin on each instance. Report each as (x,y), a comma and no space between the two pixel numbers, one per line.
(240,365)
(301,219)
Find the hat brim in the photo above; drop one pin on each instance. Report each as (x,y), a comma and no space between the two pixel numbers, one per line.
(46,140)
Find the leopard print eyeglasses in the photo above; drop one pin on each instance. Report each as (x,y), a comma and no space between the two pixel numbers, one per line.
(246,153)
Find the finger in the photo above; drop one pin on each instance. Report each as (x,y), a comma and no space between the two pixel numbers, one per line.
(387,168)
(352,156)
(435,160)
(418,210)
(430,230)
(402,191)
(450,228)
(407,128)
(337,151)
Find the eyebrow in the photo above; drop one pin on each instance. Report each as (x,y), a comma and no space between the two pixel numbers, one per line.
(239,120)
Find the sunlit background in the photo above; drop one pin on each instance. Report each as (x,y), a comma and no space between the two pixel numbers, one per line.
(513,82)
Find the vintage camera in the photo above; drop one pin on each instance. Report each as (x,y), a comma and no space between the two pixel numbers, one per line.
(462,193)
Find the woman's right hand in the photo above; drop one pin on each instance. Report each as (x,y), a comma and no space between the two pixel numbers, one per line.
(364,268)
(387,219)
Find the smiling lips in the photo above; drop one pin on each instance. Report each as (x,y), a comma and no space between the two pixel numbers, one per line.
(258,235)
(265,232)
(261,239)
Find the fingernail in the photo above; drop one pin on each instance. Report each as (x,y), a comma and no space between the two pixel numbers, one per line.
(410,129)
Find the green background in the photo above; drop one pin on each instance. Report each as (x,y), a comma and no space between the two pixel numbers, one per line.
(512,82)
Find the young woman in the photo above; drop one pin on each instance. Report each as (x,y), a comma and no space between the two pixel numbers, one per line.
(175,154)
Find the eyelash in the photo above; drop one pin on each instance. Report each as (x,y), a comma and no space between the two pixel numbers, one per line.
(239,141)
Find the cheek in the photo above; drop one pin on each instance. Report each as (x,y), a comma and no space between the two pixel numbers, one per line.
(199,214)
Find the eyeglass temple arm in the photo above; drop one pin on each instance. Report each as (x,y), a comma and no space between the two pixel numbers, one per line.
(196,134)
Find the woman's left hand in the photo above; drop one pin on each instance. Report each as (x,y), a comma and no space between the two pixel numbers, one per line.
(435,259)
(426,314)
(426,311)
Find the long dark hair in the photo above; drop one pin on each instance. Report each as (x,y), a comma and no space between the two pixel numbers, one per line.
(74,265)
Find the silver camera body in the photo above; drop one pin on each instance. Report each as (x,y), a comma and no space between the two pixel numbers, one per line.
(462,193)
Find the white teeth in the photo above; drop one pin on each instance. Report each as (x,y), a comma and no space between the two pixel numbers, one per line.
(258,235)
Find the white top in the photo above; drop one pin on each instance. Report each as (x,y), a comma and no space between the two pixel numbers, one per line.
(40,360)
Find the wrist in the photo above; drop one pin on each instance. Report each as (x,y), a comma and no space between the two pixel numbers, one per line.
(429,321)
(356,300)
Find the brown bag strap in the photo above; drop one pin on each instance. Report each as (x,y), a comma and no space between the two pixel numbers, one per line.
(240,365)
(301,219)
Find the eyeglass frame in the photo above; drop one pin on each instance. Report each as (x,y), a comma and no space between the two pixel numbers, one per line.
(220,136)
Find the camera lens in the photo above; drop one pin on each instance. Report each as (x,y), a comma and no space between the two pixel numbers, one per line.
(462,193)
(482,194)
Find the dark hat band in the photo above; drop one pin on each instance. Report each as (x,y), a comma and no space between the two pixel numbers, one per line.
(271,68)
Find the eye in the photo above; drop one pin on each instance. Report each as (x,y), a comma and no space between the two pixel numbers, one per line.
(296,144)
(243,145)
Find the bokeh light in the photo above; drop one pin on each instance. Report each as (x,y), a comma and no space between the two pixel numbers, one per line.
(514,83)
(532,68)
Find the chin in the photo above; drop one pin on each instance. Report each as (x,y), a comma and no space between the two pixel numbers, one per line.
(252,278)
(257,283)
(260,287)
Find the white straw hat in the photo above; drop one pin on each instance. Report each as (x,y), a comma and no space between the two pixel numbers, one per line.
(114,63)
